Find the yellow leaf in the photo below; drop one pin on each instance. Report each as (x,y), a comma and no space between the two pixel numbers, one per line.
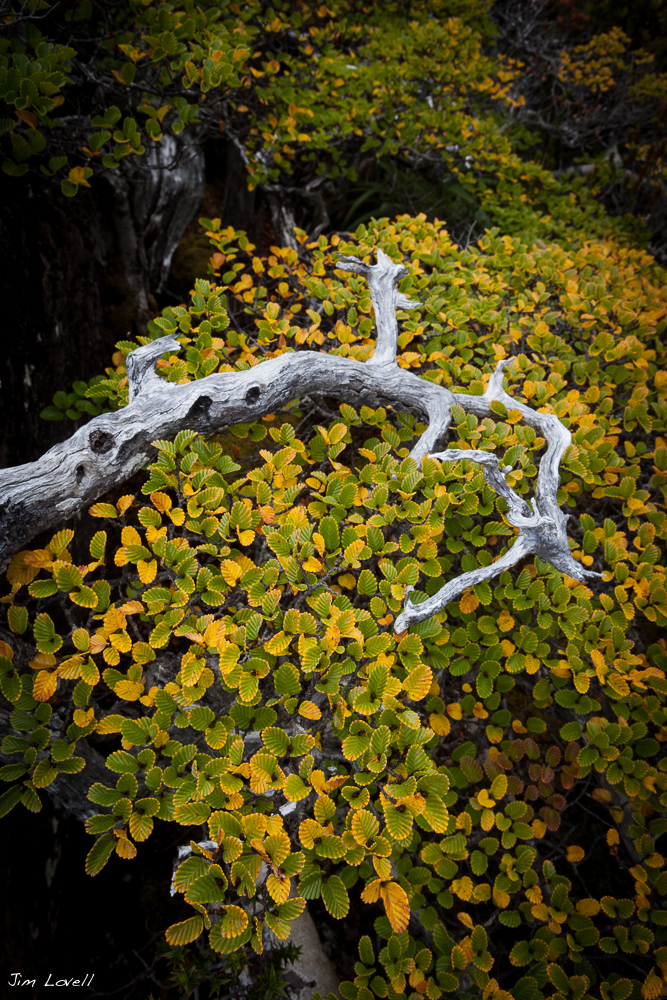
(278,888)
(97,644)
(70,669)
(347,580)
(397,906)
(20,571)
(539,828)
(418,682)
(652,987)
(278,643)
(129,690)
(161,501)
(589,907)
(382,867)
(147,570)
(40,661)
(131,608)
(39,557)
(501,898)
(130,536)
(125,848)
(124,503)
(575,853)
(469,602)
(313,565)
(45,685)
(83,718)
(309,710)
(612,835)
(454,711)
(505,622)
(439,724)
(246,537)
(462,887)
(371,893)
(177,516)
(231,571)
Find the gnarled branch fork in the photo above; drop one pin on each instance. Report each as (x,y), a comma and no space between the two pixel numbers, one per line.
(114,446)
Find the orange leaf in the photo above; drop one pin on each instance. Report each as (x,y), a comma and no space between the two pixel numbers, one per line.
(45,685)
(397,906)
(469,602)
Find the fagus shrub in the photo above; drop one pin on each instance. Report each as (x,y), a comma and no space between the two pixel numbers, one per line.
(492,781)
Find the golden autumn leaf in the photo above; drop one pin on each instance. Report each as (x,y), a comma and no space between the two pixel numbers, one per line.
(589,907)
(418,682)
(439,724)
(505,622)
(130,536)
(40,661)
(575,853)
(83,718)
(124,503)
(147,570)
(397,906)
(129,690)
(309,710)
(231,572)
(161,501)
(20,571)
(539,828)
(97,644)
(125,848)
(45,685)
(469,602)
(652,986)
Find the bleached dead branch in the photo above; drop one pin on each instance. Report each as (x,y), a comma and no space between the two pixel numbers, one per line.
(114,446)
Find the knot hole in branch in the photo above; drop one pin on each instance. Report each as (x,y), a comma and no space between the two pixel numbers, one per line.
(200,407)
(100,442)
(252,395)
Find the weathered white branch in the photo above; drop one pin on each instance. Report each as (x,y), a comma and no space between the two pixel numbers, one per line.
(382,278)
(114,446)
(542,525)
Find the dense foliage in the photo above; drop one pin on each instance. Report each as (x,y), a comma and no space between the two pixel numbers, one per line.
(324,102)
(234,628)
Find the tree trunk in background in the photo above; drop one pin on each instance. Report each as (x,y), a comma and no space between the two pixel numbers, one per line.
(64,302)
(78,274)
(244,209)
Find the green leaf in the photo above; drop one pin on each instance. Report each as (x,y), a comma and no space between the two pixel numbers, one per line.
(46,637)
(103,796)
(99,854)
(44,774)
(286,680)
(122,762)
(185,932)
(335,897)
